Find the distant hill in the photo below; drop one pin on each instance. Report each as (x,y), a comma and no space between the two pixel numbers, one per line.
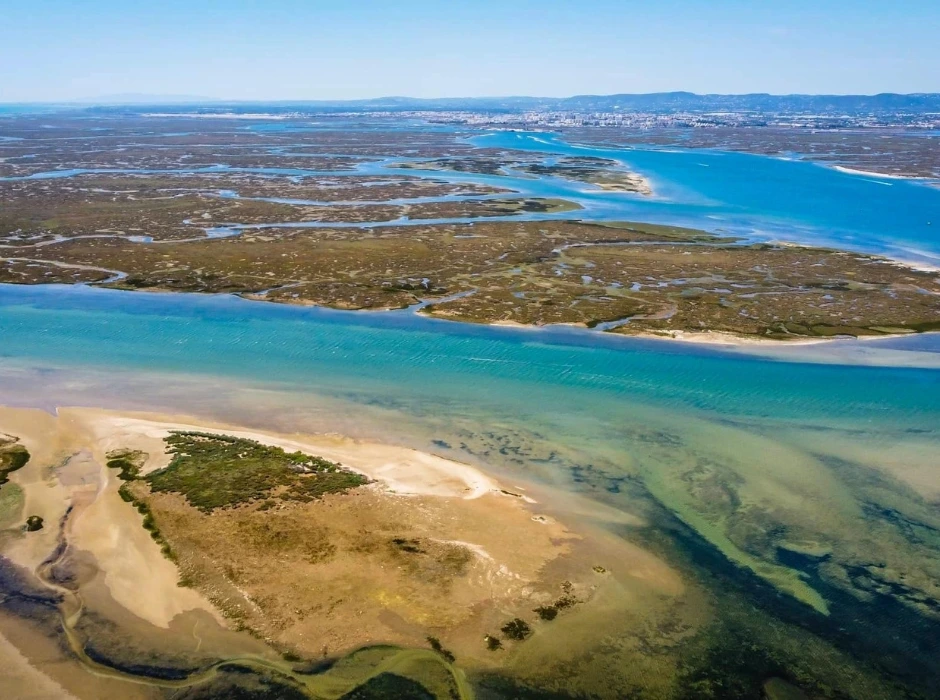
(662,102)
(758,102)
(665,102)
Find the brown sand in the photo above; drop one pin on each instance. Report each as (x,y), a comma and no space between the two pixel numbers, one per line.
(23,681)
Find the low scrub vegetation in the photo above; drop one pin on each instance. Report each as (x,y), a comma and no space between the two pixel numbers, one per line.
(13,456)
(220,471)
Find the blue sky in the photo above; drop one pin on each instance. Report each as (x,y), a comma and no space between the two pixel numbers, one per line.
(293,49)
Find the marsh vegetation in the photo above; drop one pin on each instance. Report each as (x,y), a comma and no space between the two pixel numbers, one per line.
(182,228)
(13,456)
(219,471)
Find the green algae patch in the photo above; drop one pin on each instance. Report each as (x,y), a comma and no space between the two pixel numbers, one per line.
(783,578)
(812,551)
(765,506)
(219,471)
(13,456)
(390,672)
(11,505)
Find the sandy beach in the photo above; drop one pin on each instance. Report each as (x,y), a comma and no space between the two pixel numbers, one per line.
(23,680)
(887,176)
(742,342)
(400,470)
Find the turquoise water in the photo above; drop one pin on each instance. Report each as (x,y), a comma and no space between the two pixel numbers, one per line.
(763,196)
(316,348)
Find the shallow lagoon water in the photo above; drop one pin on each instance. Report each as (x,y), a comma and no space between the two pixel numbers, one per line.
(792,200)
(752,459)
(318,348)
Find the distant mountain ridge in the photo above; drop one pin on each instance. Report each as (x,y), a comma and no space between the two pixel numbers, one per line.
(663,102)
(687,101)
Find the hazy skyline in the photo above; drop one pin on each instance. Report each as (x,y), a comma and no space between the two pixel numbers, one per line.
(53,50)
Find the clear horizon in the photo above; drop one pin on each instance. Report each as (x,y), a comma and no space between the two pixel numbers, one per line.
(289,50)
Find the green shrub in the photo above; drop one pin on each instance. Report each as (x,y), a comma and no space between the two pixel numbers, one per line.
(149,522)
(517,629)
(439,648)
(547,612)
(128,462)
(12,457)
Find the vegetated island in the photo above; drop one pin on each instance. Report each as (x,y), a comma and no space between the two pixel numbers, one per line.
(603,173)
(317,546)
(628,278)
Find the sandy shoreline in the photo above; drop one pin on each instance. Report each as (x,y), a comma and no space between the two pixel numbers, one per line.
(400,470)
(744,341)
(844,350)
(728,339)
(887,176)
(719,338)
